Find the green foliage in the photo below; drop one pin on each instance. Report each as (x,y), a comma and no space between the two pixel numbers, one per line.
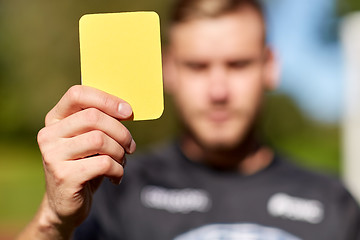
(346,6)
(288,130)
(21,182)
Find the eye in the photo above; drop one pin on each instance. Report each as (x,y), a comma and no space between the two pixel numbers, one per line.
(239,64)
(196,66)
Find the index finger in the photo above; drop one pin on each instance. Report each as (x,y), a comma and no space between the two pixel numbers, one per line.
(78,98)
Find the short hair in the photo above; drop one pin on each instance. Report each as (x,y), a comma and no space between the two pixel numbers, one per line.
(186,10)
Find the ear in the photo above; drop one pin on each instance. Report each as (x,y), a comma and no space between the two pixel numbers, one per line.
(169,71)
(272,70)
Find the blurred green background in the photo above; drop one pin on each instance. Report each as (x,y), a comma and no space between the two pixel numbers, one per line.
(39,61)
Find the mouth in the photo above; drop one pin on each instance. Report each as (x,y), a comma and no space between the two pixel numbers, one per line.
(219,116)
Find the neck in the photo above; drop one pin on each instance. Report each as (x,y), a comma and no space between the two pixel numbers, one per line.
(247,158)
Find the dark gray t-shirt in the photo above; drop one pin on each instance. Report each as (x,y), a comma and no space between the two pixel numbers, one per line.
(166,196)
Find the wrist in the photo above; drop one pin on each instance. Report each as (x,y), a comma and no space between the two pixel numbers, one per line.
(49,223)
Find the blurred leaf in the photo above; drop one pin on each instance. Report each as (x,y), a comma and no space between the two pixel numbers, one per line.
(311,144)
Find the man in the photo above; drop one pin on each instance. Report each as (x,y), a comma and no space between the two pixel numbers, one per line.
(217,181)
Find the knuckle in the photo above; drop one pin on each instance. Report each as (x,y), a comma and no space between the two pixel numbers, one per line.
(92,116)
(104,164)
(54,171)
(42,136)
(60,176)
(74,93)
(45,143)
(48,159)
(97,139)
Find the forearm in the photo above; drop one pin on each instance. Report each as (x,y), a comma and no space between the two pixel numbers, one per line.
(45,225)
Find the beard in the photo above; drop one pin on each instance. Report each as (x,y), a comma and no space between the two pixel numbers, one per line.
(221,142)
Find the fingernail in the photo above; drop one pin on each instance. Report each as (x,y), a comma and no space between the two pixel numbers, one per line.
(116,181)
(132,146)
(125,110)
(123,162)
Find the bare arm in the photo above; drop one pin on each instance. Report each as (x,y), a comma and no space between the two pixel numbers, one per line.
(82,142)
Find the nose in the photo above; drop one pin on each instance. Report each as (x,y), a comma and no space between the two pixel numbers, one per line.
(218,84)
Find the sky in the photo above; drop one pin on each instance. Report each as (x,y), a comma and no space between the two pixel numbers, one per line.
(304,35)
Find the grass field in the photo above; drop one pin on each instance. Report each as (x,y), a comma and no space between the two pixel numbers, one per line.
(21,184)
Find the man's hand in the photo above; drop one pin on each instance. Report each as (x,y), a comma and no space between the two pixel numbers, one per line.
(82,141)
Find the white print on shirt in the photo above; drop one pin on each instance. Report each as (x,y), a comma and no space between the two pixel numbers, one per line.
(237,231)
(295,208)
(175,200)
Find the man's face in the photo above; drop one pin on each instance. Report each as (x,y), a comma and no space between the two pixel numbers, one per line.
(218,75)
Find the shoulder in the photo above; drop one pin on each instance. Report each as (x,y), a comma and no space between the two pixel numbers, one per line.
(317,197)
(327,188)
(295,174)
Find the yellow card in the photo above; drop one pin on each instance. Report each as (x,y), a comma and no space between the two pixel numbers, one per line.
(121,54)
